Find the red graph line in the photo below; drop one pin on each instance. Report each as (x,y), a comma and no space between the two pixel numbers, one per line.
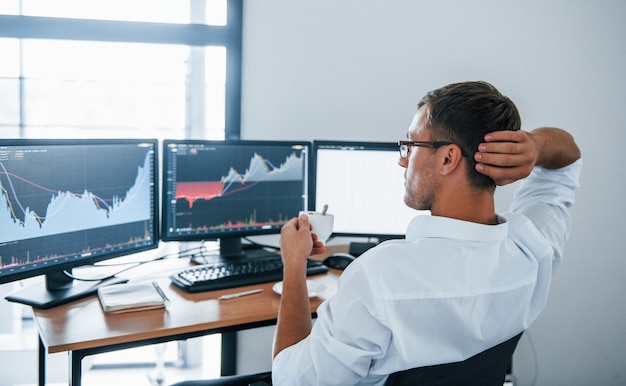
(40,219)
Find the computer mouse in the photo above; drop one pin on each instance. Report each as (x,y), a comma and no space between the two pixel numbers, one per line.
(338,260)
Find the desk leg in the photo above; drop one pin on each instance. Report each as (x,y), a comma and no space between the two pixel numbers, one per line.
(42,363)
(229,353)
(75,371)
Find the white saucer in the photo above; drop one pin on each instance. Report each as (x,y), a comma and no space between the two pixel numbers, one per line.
(314,288)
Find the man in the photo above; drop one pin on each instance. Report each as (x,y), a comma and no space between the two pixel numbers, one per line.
(464,279)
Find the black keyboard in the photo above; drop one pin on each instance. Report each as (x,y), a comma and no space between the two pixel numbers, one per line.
(228,274)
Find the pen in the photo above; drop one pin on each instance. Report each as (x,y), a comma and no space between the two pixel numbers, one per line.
(238,294)
(156,285)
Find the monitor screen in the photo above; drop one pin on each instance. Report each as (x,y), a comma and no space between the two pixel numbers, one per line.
(225,190)
(363,186)
(67,203)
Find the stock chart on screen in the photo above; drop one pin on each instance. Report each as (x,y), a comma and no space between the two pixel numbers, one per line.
(73,201)
(216,189)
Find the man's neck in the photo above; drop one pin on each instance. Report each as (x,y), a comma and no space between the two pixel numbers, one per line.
(475,206)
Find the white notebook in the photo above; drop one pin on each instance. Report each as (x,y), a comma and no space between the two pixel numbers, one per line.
(119,298)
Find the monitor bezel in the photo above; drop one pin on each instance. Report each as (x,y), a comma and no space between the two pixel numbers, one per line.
(47,267)
(215,236)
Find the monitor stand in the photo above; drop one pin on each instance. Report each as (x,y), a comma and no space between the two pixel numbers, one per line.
(47,295)
(357,248)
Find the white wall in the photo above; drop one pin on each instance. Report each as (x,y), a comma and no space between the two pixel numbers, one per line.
(355,69)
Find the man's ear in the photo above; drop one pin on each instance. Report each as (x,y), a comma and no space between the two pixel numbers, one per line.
(451,159)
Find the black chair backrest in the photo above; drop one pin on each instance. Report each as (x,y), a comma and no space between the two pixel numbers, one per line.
(484,369)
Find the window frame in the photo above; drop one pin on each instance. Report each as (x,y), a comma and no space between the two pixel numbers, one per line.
(199,35)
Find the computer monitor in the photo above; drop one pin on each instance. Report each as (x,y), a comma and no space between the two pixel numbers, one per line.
(67,203)
(227,190)
(363,186)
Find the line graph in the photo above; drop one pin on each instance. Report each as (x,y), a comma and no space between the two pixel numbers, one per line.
(30,208)
(98,202)
(259,170)
(235,189)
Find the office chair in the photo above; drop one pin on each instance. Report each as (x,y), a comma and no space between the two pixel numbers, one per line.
(261,379)
(487,368)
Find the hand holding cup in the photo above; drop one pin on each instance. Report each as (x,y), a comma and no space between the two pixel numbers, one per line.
(322,224)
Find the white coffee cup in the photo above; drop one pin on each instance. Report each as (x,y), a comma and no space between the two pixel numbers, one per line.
(322,224)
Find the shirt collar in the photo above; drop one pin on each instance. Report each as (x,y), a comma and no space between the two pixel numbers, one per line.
(428,226)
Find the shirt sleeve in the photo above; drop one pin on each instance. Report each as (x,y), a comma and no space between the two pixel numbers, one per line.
(544,198)
(345,339)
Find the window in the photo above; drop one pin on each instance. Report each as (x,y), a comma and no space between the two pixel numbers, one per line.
(103,68)
(115,68)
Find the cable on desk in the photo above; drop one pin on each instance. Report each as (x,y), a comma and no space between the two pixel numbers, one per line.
(181,254)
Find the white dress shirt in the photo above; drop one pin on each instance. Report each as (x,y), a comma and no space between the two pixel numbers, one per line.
(448,291)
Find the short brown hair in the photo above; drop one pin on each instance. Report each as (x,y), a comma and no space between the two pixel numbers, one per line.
(463,113)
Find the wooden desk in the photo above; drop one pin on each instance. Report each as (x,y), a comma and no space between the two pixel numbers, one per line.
(81,328)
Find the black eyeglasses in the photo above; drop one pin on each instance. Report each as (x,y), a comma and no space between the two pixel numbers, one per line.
(404,146)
